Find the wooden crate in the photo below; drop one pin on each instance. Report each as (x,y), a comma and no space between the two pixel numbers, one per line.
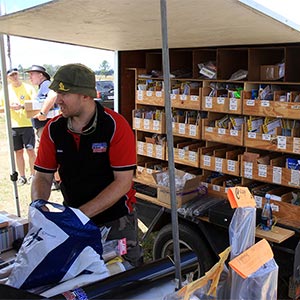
(220,104)
(273,108)
(221,135)
(155,98)
(271,174)
(151,150)
(270,142)
(149,125)
(186,101)
(187,130)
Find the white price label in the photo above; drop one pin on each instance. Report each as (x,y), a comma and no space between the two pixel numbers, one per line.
(250,102)
(262,170)
(192,130)
(183,97)
(181,128)
(149,149)
(140,96)
(265,103)
(206,160)
(156,125)
(252,135)
(140,147)
(149,93)
(194,98)
(221,131)
(296,145)
(158,94)
(181,153)
(218,164)
(146,124)
(233,104)
(192,156)
(277,175)
(173,96)
(295,178)
(216,188)
(220,100)
(248,169)
(258,200)
(281,142)
(266,137)
(230,165)
(209,129)
(208,102)
(234,132)
(137,123)
(159,151)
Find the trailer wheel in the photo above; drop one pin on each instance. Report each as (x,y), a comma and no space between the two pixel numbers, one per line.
(189,239)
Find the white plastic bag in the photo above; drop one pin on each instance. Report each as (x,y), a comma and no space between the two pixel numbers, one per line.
(60,245)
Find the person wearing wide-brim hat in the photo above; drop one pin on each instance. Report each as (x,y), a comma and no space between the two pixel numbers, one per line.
(39,69)
(40,77)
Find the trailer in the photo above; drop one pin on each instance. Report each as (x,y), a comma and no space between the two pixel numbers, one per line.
(223,37)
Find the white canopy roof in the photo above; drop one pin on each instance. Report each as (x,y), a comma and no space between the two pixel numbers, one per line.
(135,24)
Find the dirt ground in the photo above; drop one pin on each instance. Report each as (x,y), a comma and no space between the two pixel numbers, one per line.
(9,196)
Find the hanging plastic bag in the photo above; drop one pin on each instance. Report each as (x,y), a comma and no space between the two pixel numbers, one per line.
(205,287)
(61,244)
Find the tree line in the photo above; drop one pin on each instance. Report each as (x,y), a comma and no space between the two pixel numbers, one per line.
(104,69)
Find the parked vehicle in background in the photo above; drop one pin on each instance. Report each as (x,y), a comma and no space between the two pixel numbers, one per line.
(105,92)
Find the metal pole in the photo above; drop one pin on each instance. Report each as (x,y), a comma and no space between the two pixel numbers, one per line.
(14,174)
(170,143)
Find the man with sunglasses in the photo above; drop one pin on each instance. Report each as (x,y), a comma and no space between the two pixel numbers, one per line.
(93,149)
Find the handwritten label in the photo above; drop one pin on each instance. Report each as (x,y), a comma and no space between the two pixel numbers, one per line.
(240,196)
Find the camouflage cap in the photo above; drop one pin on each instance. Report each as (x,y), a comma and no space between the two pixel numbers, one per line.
(75,79)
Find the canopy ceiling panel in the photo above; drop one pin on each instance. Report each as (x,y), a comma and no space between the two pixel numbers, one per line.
(135,24)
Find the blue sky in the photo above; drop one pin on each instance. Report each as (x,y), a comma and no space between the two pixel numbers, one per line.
(41,52)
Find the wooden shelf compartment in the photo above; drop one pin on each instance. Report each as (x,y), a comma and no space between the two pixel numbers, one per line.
(149,125)
(151,150)
(277,142)
(219,159)
(187,152)
(272,108)
(154,98)
(275,173)
(222,135)
(284,212)
(219,103)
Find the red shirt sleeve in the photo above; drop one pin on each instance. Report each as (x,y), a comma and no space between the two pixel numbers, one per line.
(122,151)
(46,156)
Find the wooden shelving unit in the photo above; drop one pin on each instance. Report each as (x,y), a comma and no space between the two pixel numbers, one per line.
(201,145)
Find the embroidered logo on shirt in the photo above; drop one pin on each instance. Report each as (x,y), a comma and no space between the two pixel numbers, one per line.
(99,147)
(61,87)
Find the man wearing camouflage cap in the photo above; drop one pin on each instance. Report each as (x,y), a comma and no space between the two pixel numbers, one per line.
(93,149)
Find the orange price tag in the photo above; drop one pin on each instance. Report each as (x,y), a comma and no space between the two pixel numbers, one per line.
(252,259)
(240,196)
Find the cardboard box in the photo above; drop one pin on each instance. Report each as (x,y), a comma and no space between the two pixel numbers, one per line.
(32,107)
(17,228)
(188,192)
(271,72)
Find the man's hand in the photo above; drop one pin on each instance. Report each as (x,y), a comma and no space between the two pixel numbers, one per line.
(40,117)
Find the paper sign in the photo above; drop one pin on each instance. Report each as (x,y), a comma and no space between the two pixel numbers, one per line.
(240,196)
(252,259)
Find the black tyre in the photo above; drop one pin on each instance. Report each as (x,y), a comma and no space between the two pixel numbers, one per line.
(189,239)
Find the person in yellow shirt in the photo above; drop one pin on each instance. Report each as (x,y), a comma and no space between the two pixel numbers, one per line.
(22,130)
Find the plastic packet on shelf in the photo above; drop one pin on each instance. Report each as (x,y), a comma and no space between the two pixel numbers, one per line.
(114,248)
(239,75)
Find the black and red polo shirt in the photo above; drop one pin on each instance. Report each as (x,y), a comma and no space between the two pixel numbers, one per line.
(86,162)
